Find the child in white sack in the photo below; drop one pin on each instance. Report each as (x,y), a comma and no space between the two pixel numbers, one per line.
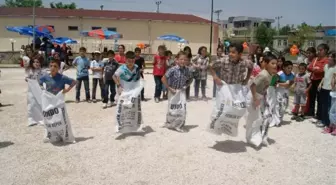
(55,83)
(286,80)
(34,72)
(259,114)
(177,79)
(127,78)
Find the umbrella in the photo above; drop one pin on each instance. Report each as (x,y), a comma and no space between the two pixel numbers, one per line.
(102,34)
(173,38)
(25,30)
(45,29)
(63,40)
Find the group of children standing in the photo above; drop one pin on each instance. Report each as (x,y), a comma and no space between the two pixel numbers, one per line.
(314,81)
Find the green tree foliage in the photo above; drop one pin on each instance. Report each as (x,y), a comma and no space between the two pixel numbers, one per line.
(23,3)
(60,5)
(264,35)
(285,30)
(303,32)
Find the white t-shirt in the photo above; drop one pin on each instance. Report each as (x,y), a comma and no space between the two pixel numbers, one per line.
(26,61)
(128,79)
(95,64)
(61,68)
(328,74)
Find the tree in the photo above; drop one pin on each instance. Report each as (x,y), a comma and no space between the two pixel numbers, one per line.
(23,3)
(303,33)
(60,5)
(264,35)
(285,30)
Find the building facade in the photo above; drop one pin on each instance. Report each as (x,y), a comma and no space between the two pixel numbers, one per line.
(320,36)
(136,27)
(242,28)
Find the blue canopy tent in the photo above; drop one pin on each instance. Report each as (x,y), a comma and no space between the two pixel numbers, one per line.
(331,32)
(63,40)
(28,31)
(174,38)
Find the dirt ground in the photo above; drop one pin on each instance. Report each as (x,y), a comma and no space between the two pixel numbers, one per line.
(298,155)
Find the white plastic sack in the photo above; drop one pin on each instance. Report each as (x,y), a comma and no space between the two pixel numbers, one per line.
(34,103)
(257,122)
(129,117)
(177,110)
(56,119)
(281,106)
(229,108)
(271,99)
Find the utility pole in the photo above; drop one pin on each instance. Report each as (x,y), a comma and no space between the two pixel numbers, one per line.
(34,24)
(278,19)
(211,23)
(158,3)
(218,12)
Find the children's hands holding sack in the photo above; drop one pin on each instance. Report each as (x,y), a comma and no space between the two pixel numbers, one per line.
(172,90)
(256,102)
(218,81)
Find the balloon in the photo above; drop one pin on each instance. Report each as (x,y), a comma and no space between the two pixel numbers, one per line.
(141,45)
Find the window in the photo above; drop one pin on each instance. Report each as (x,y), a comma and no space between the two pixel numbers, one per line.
(112,29)
(73,28)
(243,24)
(311,44)
(95,27)
(284,42)
(279,42)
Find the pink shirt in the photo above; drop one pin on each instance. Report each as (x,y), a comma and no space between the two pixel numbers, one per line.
(120,59)
(256,70)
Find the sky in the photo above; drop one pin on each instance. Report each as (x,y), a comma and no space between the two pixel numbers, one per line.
(313,12)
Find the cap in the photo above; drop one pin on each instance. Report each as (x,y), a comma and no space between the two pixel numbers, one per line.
(97,52)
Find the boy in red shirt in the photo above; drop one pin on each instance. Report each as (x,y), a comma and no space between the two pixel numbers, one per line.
(159,69)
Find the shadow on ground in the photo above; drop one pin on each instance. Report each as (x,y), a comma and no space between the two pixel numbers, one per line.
(6,105)
(5,144)
(230,146)
(146,130)
(77,139)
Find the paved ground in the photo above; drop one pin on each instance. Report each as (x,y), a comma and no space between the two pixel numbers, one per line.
(299,153)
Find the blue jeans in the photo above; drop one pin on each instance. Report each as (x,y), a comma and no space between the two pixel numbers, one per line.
(109,86)
(158,86)
(85,80)
(197,86)
(332,111)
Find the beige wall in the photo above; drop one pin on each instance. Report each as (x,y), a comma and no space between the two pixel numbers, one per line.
(134,32)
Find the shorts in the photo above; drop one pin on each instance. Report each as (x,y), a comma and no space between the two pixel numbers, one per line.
(300,99)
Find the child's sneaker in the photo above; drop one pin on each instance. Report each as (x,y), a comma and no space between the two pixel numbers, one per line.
(333,132)
(110,104)
(104,106)
(157,100)
(327,130)
(300,118)
(320,124)
(94,100)
(294,117)
(77,101)
(88,100)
